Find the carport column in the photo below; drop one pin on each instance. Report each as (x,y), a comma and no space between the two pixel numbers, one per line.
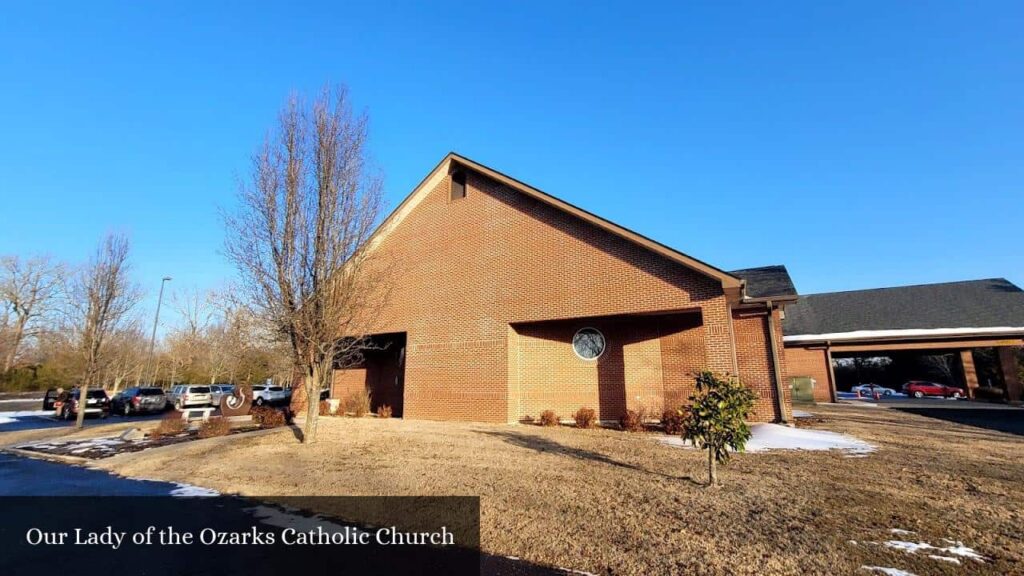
(970,372)
(831,373)
(1008,363)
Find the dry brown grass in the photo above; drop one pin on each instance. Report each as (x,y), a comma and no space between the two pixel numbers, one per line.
(609,502)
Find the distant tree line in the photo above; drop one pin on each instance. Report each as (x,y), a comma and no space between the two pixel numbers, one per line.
(64,325)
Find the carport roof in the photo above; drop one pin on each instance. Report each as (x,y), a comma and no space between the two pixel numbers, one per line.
(992,306)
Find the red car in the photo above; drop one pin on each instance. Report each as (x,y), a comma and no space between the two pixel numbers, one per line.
(920,389)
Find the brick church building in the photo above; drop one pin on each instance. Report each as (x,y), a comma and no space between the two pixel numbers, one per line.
(507,301)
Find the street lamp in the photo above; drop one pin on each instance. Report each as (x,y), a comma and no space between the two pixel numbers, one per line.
(152,339)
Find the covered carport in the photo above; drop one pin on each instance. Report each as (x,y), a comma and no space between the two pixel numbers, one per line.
(969,334)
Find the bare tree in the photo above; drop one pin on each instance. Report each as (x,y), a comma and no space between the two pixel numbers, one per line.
(28,290)
(100,297)
(127,354)
(185,340)
(299,236)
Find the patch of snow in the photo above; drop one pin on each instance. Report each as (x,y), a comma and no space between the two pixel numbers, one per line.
(944,559)
(872,334)
(765,437)
(957,548)
(22,400)
(15,415)
(190,491)
(802,414)
(275,517)
(909,547)
(901,531)
(887,571)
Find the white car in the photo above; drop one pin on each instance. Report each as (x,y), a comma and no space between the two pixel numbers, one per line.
(872,389)
(264,394)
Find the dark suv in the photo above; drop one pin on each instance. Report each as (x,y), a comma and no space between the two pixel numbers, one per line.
(139,399)
(96,404)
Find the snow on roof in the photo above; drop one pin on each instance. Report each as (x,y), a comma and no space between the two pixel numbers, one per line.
(908,333)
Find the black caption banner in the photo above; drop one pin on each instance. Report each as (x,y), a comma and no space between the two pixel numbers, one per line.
(226,535)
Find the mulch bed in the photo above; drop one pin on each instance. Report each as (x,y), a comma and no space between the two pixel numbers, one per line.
(99,448)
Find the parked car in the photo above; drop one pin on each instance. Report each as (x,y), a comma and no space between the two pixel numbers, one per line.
(920,389)
(96,404)
(188,395)
(264,394)
(871,389)
(139,399)
(218,391)
(50,398)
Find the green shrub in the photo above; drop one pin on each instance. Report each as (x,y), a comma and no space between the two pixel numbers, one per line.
(585,418)
(214,427)
(548,418)
(716,418)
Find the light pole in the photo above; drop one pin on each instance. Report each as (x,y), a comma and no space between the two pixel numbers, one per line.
(156,319)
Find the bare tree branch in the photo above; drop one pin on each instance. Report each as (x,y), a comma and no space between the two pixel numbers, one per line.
(28,291)
(100,298)
(299,233)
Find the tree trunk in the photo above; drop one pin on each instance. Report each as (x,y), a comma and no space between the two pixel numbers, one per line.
(712,471)
(311,383)
(80,421)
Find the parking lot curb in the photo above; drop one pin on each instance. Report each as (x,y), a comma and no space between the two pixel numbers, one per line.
(59,458)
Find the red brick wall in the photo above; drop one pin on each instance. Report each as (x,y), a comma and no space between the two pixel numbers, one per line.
(464,270)
(753,354)
(552,377)
(813,363)
(683,354)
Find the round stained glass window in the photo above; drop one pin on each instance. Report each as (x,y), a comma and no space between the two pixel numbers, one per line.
(588,343)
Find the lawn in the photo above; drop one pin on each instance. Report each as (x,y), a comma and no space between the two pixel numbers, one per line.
(605,501)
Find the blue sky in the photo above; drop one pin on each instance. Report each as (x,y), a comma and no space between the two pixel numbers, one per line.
(861,145)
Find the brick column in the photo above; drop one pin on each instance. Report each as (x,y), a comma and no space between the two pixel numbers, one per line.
(1008,363)
(970,372)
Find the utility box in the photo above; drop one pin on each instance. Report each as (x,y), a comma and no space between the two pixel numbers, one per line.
(803,389)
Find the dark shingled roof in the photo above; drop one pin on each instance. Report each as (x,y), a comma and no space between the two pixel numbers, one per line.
(972,304)
(766,281)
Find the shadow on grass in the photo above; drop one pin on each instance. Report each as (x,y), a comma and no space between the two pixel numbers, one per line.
(1000,420)
(296,431)
(547,445)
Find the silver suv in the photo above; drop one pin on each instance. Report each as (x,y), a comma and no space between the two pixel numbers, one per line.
(186,396)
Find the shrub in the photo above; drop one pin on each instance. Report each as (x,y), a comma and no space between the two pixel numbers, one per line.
(672,420)
(548,418)
(631,421)
(384,411)
(171,425)
(716,419)
(585,418)
(358,403)
(267,417)
(325,408)
(214,427)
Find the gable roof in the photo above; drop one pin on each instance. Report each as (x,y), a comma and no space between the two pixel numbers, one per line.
(729,281)
(767,282)
(992,306)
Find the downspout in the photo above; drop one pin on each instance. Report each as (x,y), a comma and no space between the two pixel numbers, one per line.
(780,398)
